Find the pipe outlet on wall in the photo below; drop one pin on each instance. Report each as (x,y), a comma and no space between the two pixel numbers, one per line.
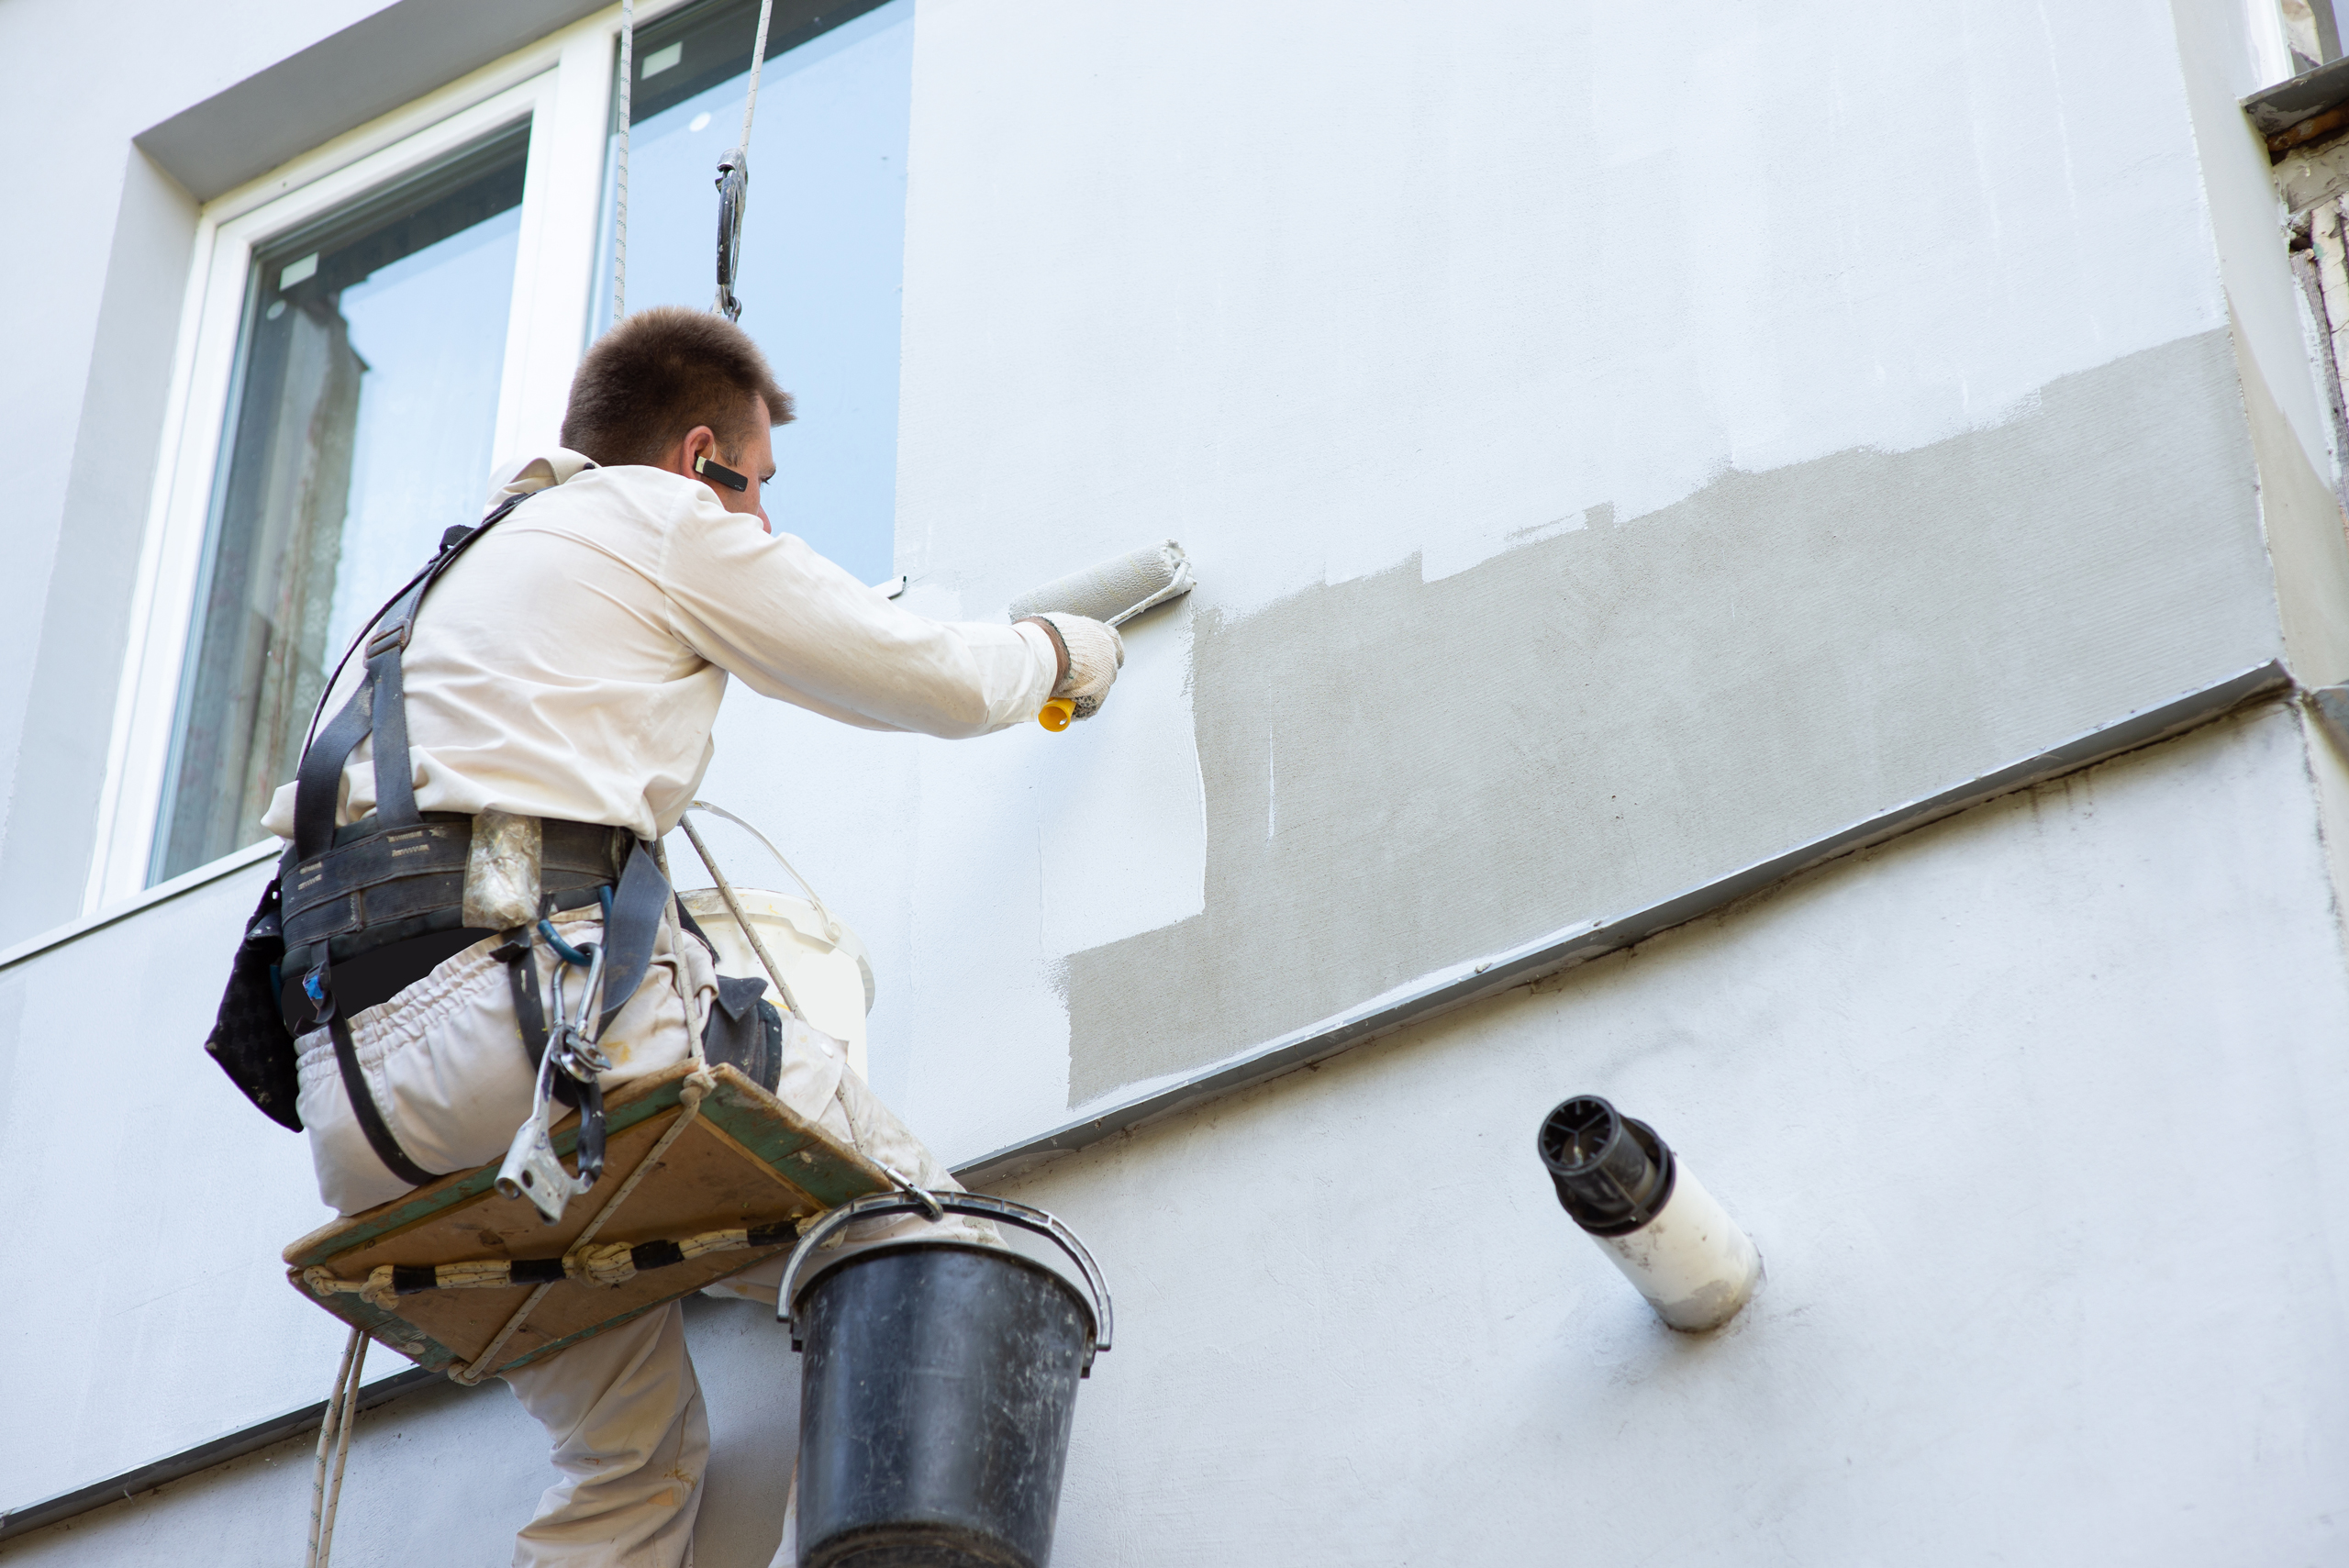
(1649,1214)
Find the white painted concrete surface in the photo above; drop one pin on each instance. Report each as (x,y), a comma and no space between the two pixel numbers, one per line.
(146,1308)
(1318,289)
(2034,1113)
(1314,286)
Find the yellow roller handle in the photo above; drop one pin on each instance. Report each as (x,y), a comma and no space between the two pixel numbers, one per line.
(1055,715)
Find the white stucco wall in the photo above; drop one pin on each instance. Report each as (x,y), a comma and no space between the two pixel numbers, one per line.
(2031,1113)
(1320,291)
(1340,294)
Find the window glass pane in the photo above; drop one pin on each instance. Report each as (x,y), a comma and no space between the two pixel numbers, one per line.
(823,245)
(360,427)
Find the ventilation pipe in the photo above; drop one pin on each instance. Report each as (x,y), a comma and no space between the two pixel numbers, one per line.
(1649,1214)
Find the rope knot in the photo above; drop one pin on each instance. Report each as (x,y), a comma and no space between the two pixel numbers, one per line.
(377,1291)
(612,1263)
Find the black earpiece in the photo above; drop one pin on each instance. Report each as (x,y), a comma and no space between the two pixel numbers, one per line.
(718,473)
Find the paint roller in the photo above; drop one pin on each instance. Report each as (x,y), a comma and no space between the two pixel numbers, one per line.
(1113,590)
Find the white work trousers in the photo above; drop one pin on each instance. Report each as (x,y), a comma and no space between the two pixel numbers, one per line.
(623,1411)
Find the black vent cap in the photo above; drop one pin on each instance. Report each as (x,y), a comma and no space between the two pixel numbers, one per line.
(1613,1174)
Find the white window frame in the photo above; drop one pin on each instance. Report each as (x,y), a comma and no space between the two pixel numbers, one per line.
(561,87)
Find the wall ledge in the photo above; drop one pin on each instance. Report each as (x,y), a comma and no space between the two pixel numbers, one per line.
(1459,984)
(161,893)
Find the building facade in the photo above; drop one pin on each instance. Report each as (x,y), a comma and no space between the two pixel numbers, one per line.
(1784,568)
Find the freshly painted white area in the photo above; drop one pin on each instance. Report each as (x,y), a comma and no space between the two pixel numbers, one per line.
(1315,286)
(971,868)
(1124,846)
(1963,1090)
(1036,846)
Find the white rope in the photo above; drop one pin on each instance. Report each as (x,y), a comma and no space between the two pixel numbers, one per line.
(619,179)
(612,1263)
(831,926)
(736,165)
(758,58)
(334,1437)
(734,907)
(766,959)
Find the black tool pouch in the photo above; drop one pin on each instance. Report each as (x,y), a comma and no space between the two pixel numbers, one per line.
(745,1031)
(249,1037)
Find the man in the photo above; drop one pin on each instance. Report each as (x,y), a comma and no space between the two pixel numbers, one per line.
(568,668)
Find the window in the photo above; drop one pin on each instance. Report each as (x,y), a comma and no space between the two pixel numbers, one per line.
(361,415)
(374,326)
(823,237)
(367,330)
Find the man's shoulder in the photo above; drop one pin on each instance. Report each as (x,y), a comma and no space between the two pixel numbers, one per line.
(626,507)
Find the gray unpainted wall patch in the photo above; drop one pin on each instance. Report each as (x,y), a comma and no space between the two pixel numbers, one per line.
(1611,713)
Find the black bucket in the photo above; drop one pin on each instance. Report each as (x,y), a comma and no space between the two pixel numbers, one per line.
(936,1392)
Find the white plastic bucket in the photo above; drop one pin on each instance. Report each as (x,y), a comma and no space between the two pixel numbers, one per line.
(831,976)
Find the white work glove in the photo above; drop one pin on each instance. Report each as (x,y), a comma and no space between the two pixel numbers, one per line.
(1096,654)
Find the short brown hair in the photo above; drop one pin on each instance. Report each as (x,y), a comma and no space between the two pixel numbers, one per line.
(659,374)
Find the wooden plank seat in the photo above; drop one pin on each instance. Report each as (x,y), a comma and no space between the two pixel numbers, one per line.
(742,1178)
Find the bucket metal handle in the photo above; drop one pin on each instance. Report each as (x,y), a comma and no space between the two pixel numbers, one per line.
(977,1205)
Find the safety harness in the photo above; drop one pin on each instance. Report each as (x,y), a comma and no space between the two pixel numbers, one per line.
(366,889)
(358,913)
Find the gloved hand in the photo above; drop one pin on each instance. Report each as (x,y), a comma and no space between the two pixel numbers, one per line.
(1096,654)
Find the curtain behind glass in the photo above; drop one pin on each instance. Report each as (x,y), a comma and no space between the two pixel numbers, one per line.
(362,414)
(823,261)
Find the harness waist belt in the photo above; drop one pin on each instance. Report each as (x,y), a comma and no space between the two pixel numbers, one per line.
(379,885)
(386,905)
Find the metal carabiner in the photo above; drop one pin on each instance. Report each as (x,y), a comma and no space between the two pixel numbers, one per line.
(532,1169)
(567,1036)
(733,201)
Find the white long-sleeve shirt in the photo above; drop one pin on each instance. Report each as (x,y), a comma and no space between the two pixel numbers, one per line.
(570,664)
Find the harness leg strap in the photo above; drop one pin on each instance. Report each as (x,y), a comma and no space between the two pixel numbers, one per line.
(370,1115)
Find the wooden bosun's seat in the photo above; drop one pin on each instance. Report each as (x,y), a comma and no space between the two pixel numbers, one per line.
(733,1187)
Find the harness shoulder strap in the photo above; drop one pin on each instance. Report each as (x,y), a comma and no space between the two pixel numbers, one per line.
(379,706)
